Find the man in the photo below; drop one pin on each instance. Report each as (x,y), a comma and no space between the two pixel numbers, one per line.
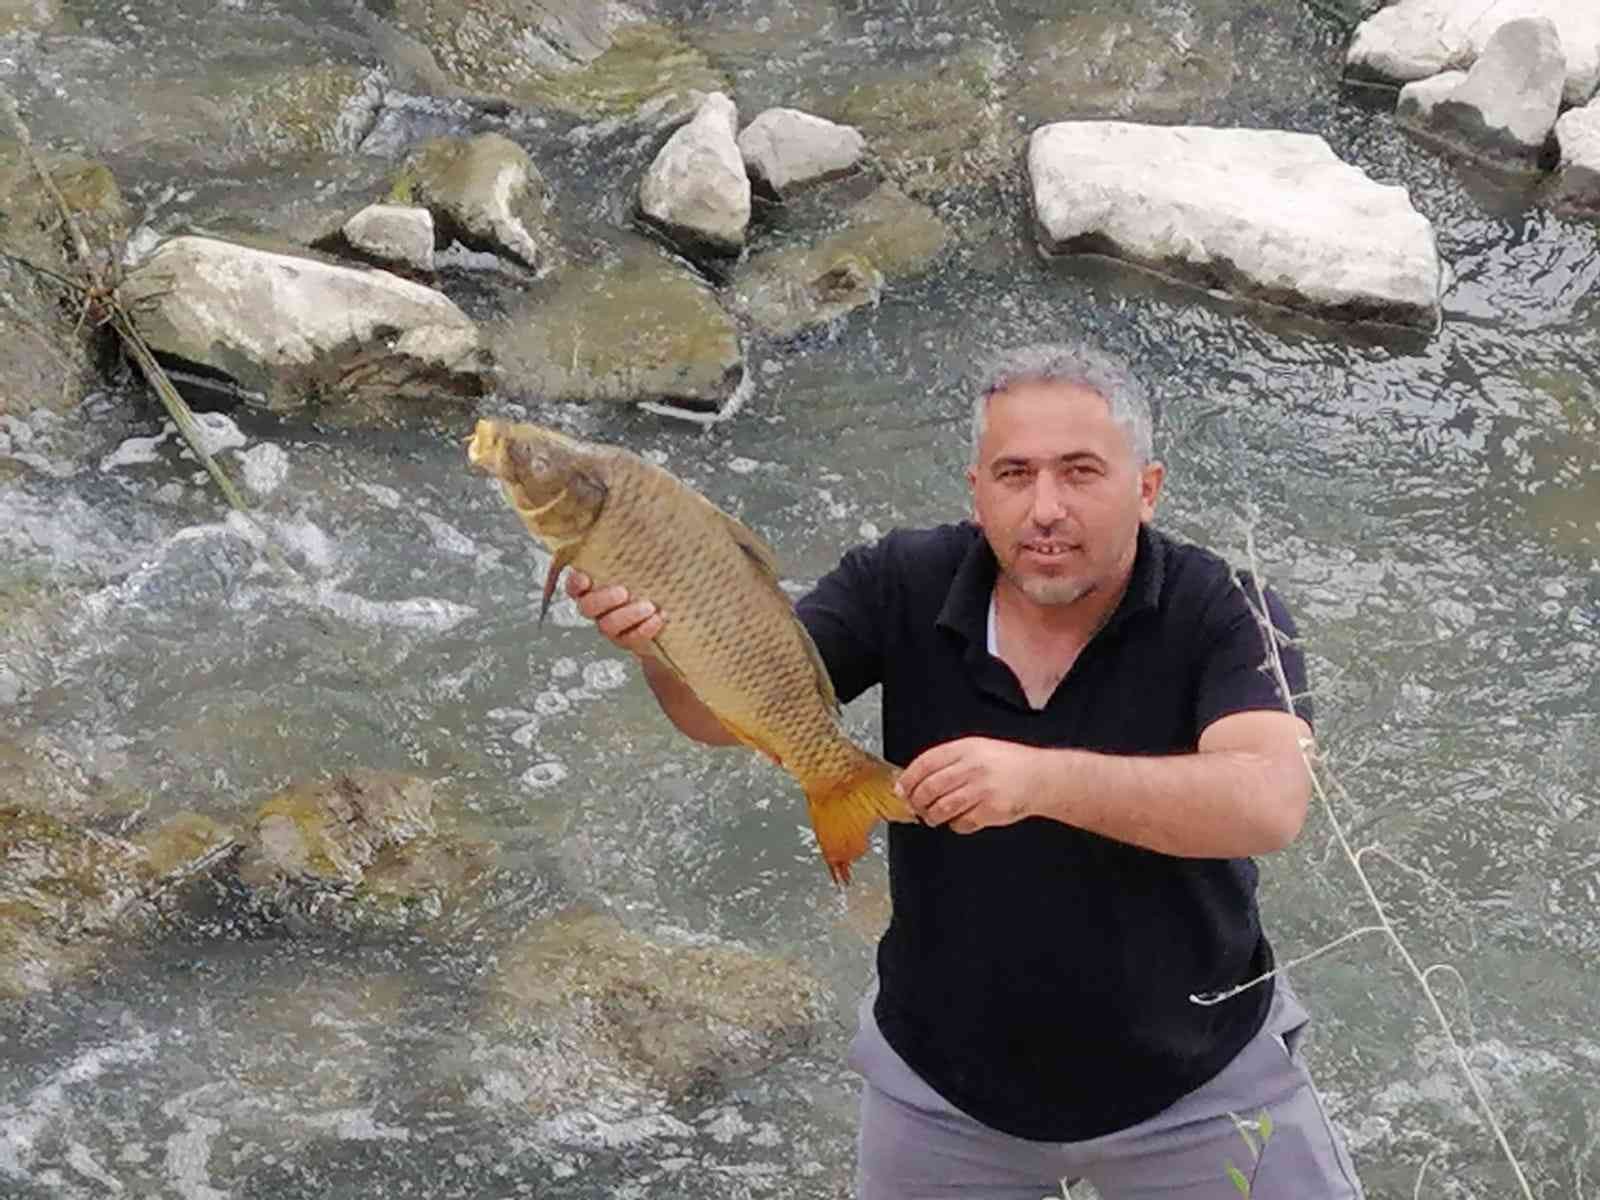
(1095,749)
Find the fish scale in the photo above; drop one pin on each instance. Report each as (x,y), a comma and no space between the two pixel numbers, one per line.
(730,632)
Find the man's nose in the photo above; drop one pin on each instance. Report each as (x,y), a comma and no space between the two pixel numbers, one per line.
(1049,505)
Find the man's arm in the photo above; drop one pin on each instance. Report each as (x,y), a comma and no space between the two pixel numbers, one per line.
(632,625)
(1243,792)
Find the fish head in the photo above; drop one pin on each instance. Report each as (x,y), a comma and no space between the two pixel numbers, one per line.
(554,482)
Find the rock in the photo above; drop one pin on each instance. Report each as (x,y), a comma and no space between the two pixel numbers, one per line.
(1577,181)
(67,893)
(933,130)
(326,835)
(304,110)
(44,361)
(393,233)
(887,236)
(697,190)
(484,192)
(22,16)
(1413,39)
(637,329)
(1504,108)
(785,148)
(591,60)
(1262,214)
(290,329)
(612,1011)
(361,851)
(1126,63)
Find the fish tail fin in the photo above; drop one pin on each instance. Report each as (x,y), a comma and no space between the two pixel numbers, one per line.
(845,808)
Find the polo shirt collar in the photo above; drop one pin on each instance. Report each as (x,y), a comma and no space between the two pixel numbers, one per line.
(966,604)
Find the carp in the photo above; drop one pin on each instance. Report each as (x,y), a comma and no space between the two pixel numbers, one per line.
(731,633)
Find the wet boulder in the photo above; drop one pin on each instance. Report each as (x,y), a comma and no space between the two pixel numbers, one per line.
(68,894)
(785,149)
(289,329)
(361,850)
(1577,181)
(484,192)
(609,1010)
(1413,39)
(886,237)
(1505,107)
(401,234)
(1259,214)
(697,191)
(636,328)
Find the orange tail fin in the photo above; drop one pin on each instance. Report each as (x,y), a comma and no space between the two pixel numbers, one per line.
(844,810)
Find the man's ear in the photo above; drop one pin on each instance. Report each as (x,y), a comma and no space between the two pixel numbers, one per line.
(1151,476)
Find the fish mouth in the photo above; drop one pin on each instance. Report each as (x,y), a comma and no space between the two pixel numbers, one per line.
(478,449)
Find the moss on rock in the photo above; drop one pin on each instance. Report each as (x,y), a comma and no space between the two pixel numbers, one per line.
(641,328)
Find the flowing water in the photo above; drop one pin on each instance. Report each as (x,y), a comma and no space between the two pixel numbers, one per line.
(1429,506)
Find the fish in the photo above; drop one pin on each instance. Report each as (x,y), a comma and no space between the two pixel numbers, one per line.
(731,632)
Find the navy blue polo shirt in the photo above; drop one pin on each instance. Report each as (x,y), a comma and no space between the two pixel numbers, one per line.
(1037,975)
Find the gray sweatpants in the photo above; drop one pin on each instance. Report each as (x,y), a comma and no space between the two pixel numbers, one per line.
(915,1146)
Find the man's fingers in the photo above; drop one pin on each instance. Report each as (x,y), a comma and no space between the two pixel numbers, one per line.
(925,764)
(951,806)
(599,603)
(938,783)
(578,583)
(642,634)
(624,619)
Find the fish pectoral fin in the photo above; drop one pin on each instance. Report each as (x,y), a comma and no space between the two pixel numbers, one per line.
(843,812)
(559,561)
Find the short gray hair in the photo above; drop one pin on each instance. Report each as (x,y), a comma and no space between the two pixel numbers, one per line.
(1077,364)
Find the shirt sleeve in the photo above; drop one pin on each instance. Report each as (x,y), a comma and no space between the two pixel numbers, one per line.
(844,613)
(1236,672)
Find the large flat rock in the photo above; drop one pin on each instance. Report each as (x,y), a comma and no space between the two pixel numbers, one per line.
(1577,181)
(292,329)
(1259,214)
(1414,39)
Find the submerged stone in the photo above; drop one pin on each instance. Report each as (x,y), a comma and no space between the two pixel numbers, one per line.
(1259,214)
(609,1009)
(318,108)
(933,129)
(638,328)
(68,893)
(1123,63)
(23,16)
(887,237)
(292,329)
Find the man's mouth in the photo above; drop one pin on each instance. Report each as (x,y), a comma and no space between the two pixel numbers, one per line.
(1048,549)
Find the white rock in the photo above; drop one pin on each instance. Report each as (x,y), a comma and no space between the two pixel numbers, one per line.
(1505,107)
(265,468)
(1413,39)
(1578,177)
(1419,98)
(398,233)
(785,148)
(1267,215)
(286,327)
(697,188)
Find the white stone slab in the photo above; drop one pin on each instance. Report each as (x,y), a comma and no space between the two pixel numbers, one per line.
(1261,214)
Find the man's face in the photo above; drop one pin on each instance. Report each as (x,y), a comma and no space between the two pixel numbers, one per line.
(1057,491)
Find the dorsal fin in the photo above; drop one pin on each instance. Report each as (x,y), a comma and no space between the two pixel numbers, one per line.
(750,542)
